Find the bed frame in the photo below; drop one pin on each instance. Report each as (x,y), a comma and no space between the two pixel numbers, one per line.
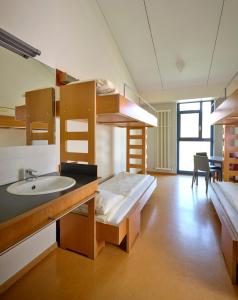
(79,101)
(74,227)
(227,114)
(229,237)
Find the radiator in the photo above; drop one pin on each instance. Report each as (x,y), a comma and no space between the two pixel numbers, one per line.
(163,141)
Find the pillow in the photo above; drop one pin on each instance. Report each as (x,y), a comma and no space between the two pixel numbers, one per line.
(107,201)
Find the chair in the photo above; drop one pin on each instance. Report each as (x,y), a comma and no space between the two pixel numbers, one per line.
(201,164)
(217,169)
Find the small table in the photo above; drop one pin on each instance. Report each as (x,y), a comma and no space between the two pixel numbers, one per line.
(218,160)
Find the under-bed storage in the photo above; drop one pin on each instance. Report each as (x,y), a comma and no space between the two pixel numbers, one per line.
(223,201)
(74,226)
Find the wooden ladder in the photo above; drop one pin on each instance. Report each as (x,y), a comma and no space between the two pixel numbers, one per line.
(138,148)
(230,154)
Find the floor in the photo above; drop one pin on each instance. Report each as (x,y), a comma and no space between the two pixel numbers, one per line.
(177,256)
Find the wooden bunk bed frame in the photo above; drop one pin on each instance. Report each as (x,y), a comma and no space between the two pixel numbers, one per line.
(38,120)
(79,101)
(227,114)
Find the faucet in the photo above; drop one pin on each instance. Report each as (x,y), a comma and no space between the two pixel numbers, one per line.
(29,174)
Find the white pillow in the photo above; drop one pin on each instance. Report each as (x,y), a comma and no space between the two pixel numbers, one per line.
(107,201)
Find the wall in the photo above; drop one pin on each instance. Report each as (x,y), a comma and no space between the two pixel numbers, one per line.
(74,37)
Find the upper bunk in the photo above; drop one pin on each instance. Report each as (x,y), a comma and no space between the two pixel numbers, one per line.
(117,110)
(111,109)
(227,112)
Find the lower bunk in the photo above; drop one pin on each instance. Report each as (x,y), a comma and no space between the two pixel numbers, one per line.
(224,198)
(125,195)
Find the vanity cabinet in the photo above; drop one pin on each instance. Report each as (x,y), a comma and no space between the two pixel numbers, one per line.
(24,225)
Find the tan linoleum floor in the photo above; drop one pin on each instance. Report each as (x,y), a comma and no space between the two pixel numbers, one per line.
(177,256)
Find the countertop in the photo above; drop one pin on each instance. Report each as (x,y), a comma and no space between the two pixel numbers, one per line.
(14,205)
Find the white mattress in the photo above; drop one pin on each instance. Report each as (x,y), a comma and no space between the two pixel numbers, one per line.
(131,186)
(103,86)
(227,193)
(116,216)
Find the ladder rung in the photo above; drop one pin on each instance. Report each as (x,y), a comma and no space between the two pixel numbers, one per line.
(74,156)
(135,146)
(136,137)
(135,166)
(74,136)
(139,156)
(39,136)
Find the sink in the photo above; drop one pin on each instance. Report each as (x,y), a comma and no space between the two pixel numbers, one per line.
(41,185)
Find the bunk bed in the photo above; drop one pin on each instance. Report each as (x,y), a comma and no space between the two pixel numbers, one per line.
(80,101)
(224,194)
(37,116)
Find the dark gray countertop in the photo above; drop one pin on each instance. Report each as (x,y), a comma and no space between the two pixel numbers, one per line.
(14,205)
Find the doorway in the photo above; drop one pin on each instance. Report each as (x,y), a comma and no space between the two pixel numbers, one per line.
(194,133)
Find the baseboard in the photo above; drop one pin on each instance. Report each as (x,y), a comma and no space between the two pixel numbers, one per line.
(8,283)
(160,173)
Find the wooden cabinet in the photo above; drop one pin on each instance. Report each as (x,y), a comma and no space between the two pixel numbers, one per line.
(22,226)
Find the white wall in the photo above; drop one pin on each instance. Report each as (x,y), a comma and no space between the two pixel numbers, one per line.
(74,37)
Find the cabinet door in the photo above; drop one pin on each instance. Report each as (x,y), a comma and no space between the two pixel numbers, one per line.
(229,248)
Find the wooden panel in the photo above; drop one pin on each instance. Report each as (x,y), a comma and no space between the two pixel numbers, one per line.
(78,102)
(40,107)
(11,122)
(108,104)
(113,104)
(229,249)
(81,136)
(28,223)
(135,137)
(39,136)
(133,227)
(71,156)
(135,146)
(135,166)
(229,237)
(73,233)
(138,156)
(20,112)
(111,233)
(228,110)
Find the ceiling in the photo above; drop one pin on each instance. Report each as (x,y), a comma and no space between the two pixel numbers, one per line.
(169,44)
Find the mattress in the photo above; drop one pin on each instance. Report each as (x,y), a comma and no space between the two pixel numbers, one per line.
(227,193)
(117,215)
(131,186)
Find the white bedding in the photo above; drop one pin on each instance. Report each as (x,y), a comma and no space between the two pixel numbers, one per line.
(129,186)
(228,196)
(103,86)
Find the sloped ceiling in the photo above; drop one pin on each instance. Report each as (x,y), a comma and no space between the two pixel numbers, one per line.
(169,44)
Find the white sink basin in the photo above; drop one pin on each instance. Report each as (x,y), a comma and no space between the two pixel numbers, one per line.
(41,185)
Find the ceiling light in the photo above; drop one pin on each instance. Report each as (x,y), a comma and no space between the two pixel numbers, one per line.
(16,45)
(180,64)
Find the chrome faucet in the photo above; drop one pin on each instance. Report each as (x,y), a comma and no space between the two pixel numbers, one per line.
(29,174)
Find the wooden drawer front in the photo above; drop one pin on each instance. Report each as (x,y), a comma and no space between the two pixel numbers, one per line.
(28,223)
(229,249)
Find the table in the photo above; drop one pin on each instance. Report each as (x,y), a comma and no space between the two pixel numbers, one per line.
(217,160)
